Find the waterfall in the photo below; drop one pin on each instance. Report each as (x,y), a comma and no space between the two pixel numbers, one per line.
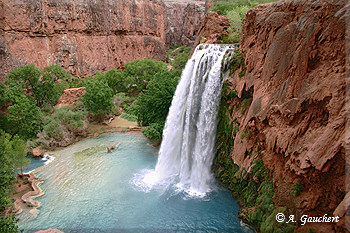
(188,146)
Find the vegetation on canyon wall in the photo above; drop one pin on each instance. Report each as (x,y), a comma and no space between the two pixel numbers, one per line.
(235,11)
(253,190)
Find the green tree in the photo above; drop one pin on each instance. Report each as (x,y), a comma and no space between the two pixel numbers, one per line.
(8,148)
(25,119)
(40,85)
(153,105)
(154,131)
(8,224)
(139,72)
(98,98)
(7,169)
(18,153)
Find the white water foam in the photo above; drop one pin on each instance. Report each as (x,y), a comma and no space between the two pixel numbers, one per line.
(188,146)
(48,158)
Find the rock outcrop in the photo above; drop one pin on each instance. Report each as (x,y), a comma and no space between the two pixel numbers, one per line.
(183,16)
(38,152)
(295,59)
(70,96)
(212,28)
(82,36)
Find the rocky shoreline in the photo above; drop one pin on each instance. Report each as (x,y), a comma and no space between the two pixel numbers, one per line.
(29,185)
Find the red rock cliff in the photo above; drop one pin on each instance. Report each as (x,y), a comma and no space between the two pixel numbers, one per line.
(83,36)
(183,16)
(87,36)
(295,55)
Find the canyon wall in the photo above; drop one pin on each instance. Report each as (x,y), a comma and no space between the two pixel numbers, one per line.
(86,36)
(295,79)
(183,16)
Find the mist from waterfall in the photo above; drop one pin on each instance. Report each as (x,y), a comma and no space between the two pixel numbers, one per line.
(188,146)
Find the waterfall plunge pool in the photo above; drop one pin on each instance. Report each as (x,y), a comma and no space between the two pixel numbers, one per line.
(94,191)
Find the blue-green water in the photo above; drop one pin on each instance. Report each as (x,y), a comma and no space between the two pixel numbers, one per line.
(37,162)
(94,191)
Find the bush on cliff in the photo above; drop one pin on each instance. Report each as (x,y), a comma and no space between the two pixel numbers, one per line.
(254,191)
(235,11)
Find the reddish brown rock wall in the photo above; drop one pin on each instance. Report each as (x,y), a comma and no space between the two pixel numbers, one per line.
(83,36)
(295,58)
(87,36)
(183,16)
(211,29)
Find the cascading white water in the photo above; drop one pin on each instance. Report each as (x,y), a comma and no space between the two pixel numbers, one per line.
(188,146)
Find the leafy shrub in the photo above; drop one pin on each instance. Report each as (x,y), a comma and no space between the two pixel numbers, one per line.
(154,131)
(123,100)
(7,174)
(139,72)
(235,18)
(18,157)
(129,117)
(235,11)
(242,72)
(61,127)
(12,156)
(178,56)
(54,129)
(237,60)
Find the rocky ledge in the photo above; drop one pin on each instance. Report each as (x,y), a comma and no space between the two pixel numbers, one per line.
(27,188)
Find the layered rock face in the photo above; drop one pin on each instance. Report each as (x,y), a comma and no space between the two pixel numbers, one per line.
(86,36)
(295,58)
(183,16)
(82,36)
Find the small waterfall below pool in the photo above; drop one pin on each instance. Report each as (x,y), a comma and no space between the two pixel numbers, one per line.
(188,146)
